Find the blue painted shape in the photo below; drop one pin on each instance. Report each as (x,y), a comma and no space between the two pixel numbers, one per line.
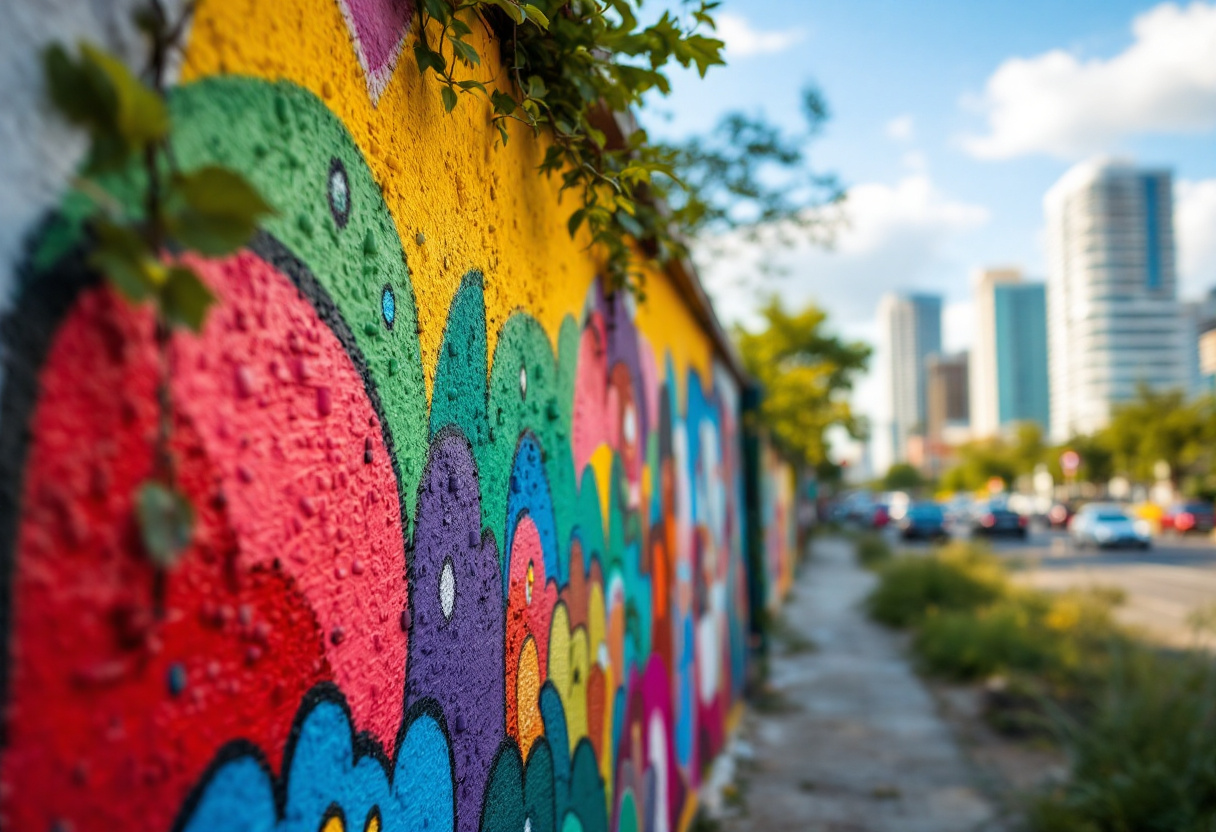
(238,798)
(529,494)
(388,306)
(324,770)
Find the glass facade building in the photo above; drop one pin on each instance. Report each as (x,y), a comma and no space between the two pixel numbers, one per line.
(1114,321)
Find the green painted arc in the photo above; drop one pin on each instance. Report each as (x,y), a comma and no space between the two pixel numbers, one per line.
(284,139)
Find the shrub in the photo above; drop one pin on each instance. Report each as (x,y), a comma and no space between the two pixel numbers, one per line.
(1144,754)
(872,550)
(957,578)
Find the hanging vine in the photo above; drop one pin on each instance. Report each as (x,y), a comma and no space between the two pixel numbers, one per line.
(212,211)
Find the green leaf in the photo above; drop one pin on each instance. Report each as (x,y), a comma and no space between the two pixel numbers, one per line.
(502,131)
(512,9)
(459,27)
(536,15)
(438,9)
(84,97)
(465,51)
(166,522)
(185,299)
(576,220)
(449,98)
(502,102)
(428,58)
(215,210)
(536,87)
(141,115)
(471,85)
(123,257)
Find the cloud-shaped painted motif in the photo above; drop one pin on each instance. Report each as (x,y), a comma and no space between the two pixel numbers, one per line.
(329,773)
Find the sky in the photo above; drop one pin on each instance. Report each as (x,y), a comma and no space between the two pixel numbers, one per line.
(949,121)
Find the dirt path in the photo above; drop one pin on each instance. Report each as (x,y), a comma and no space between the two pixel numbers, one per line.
(850,740)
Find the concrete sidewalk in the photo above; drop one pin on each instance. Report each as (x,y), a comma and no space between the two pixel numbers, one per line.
(850,740)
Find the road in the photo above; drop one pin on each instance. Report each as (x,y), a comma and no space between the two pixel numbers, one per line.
(1164,584)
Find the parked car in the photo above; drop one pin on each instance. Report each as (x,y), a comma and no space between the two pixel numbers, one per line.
(923,521)
(1192,516)
(878,517)
(1060,514)
(993,519)
(1107,524)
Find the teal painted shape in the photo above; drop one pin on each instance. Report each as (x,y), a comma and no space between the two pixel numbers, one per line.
(459,391)
(553,714)
(627,814)
(539,789)
(503,805)
(587,798)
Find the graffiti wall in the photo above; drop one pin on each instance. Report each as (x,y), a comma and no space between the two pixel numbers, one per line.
(469,541)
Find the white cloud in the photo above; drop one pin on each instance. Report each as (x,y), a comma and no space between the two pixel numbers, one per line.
(743,41)
(898,236)
(1060,104)
(1195,231)
(895,236)
(915,160)
(902,128)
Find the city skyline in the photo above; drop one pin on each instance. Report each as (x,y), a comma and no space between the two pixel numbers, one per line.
(946,166)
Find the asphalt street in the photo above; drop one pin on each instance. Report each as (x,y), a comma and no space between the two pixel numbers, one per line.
(1165,585)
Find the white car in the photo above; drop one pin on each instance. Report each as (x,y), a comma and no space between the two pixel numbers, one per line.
(1107,524)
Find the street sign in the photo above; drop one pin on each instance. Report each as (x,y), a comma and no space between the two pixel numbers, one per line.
(1070,461)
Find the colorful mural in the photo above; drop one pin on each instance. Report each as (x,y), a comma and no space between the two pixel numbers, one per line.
(469,546)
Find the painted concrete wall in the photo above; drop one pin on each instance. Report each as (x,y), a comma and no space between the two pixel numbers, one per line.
(470,544)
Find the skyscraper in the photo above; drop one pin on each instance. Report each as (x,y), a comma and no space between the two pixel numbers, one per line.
(1114,320)
(912,326)
(1009,359)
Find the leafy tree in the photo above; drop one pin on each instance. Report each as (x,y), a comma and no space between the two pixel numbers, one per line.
(1155,427)
(979,462)
(806,374)
(902,477)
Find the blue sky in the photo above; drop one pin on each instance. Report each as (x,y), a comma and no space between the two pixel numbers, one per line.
(949,122)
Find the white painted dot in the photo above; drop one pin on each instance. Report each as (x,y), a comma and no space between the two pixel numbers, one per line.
(447,589)
(602,656)
(527,824)
(528,583)
(630,426)
(523,381)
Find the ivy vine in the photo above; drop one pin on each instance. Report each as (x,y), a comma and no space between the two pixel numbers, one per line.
(569,67)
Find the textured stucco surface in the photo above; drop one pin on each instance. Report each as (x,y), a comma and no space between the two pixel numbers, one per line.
(470,540)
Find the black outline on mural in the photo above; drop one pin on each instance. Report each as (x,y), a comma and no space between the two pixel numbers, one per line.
(363,745)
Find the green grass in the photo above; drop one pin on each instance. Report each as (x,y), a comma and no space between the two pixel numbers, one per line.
(958,578)
(1138,724)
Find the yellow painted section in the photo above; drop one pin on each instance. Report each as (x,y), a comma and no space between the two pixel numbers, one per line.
(527,697)
(601,466)
(476,204)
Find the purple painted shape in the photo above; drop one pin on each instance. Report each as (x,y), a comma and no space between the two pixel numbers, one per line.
(456,638)
(378,28)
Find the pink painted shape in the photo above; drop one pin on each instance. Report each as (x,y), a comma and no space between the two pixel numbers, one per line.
(297,487)
(378,28)
(592,416)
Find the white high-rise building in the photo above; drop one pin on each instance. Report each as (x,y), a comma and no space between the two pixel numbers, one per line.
(912,329)
(1113,317)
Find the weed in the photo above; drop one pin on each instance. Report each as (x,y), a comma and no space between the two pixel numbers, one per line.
(872,550)
(958,578)
(1143,753)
